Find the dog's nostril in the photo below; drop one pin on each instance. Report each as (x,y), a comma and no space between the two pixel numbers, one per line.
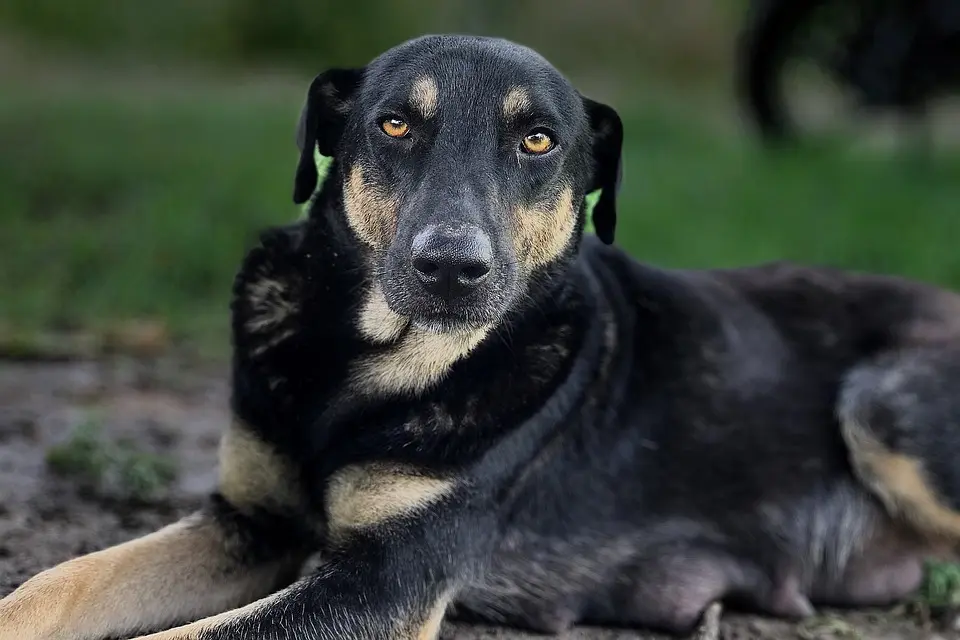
(425,266)
(474,272)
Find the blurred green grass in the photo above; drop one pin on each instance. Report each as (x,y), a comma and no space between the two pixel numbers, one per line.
(132,203)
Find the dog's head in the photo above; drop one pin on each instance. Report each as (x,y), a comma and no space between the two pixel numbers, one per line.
(463,163)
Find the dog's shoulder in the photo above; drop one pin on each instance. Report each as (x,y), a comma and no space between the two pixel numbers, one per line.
(295,298)
(297,280)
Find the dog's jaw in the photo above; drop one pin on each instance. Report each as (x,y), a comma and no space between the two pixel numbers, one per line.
(416,355)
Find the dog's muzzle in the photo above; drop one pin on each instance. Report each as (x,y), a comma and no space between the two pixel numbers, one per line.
(451,261)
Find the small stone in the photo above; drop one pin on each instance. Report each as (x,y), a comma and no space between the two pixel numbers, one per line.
(709,628)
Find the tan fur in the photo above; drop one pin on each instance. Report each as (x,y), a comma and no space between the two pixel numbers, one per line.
(181,572)
(272,302)
(252,474)
(429,629)
(377,322)
(371,214)
(515,102)
(424,96)
(426,629)
(542,232)
(195,630)
(900,483)
(361,496)
(418,359)
(269,297)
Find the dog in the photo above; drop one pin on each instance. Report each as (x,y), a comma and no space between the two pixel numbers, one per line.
(469,406)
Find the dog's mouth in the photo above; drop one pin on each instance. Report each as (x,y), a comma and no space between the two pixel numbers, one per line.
(463,319)
(447,325)
(447,292)
(432,314)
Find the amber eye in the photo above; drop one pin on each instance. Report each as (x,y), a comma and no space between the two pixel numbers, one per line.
(537,143)
(395,128)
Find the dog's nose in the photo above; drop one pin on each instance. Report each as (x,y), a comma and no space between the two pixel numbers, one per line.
(451,262)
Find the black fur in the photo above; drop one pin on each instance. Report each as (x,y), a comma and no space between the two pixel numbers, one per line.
(626,445)
(631,443)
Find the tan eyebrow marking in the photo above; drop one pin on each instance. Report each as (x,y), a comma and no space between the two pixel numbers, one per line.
(424,96)
(516,101)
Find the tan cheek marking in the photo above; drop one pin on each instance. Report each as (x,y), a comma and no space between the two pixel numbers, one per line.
(541,233)
(424,96)
(252,474)
(515,102)
(365,495)
(377,322)
(371,214)
(899,482)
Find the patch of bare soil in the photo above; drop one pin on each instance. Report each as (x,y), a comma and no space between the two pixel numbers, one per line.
(176,413)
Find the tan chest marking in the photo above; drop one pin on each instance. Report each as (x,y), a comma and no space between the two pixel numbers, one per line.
(360,496)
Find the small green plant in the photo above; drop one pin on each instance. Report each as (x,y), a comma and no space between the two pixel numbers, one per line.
(941,585)
(82,456)
(111,469)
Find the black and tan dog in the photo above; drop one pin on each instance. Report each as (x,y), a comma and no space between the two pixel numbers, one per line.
(465,404)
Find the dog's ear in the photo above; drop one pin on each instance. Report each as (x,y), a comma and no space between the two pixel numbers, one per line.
(322,119)
(607,132)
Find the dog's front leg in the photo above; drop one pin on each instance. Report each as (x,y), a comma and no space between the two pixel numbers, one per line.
(238,548)
(390,576)
(187,570)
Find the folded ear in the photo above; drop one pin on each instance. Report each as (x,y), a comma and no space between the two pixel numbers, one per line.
(322,119)
(607,131)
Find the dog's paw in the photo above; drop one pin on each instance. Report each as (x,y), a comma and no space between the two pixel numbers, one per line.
(267,293)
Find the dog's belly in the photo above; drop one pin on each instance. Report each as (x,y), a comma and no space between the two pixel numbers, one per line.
(837,550)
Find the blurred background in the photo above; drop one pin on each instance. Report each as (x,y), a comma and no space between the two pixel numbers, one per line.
(143,144)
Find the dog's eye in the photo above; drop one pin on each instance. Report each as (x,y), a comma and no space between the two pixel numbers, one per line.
(537,142)
(395,128)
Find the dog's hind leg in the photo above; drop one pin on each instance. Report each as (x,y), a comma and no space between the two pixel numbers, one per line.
(900,416)
(224,556)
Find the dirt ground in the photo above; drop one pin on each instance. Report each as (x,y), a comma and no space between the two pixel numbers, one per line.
(177,412)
